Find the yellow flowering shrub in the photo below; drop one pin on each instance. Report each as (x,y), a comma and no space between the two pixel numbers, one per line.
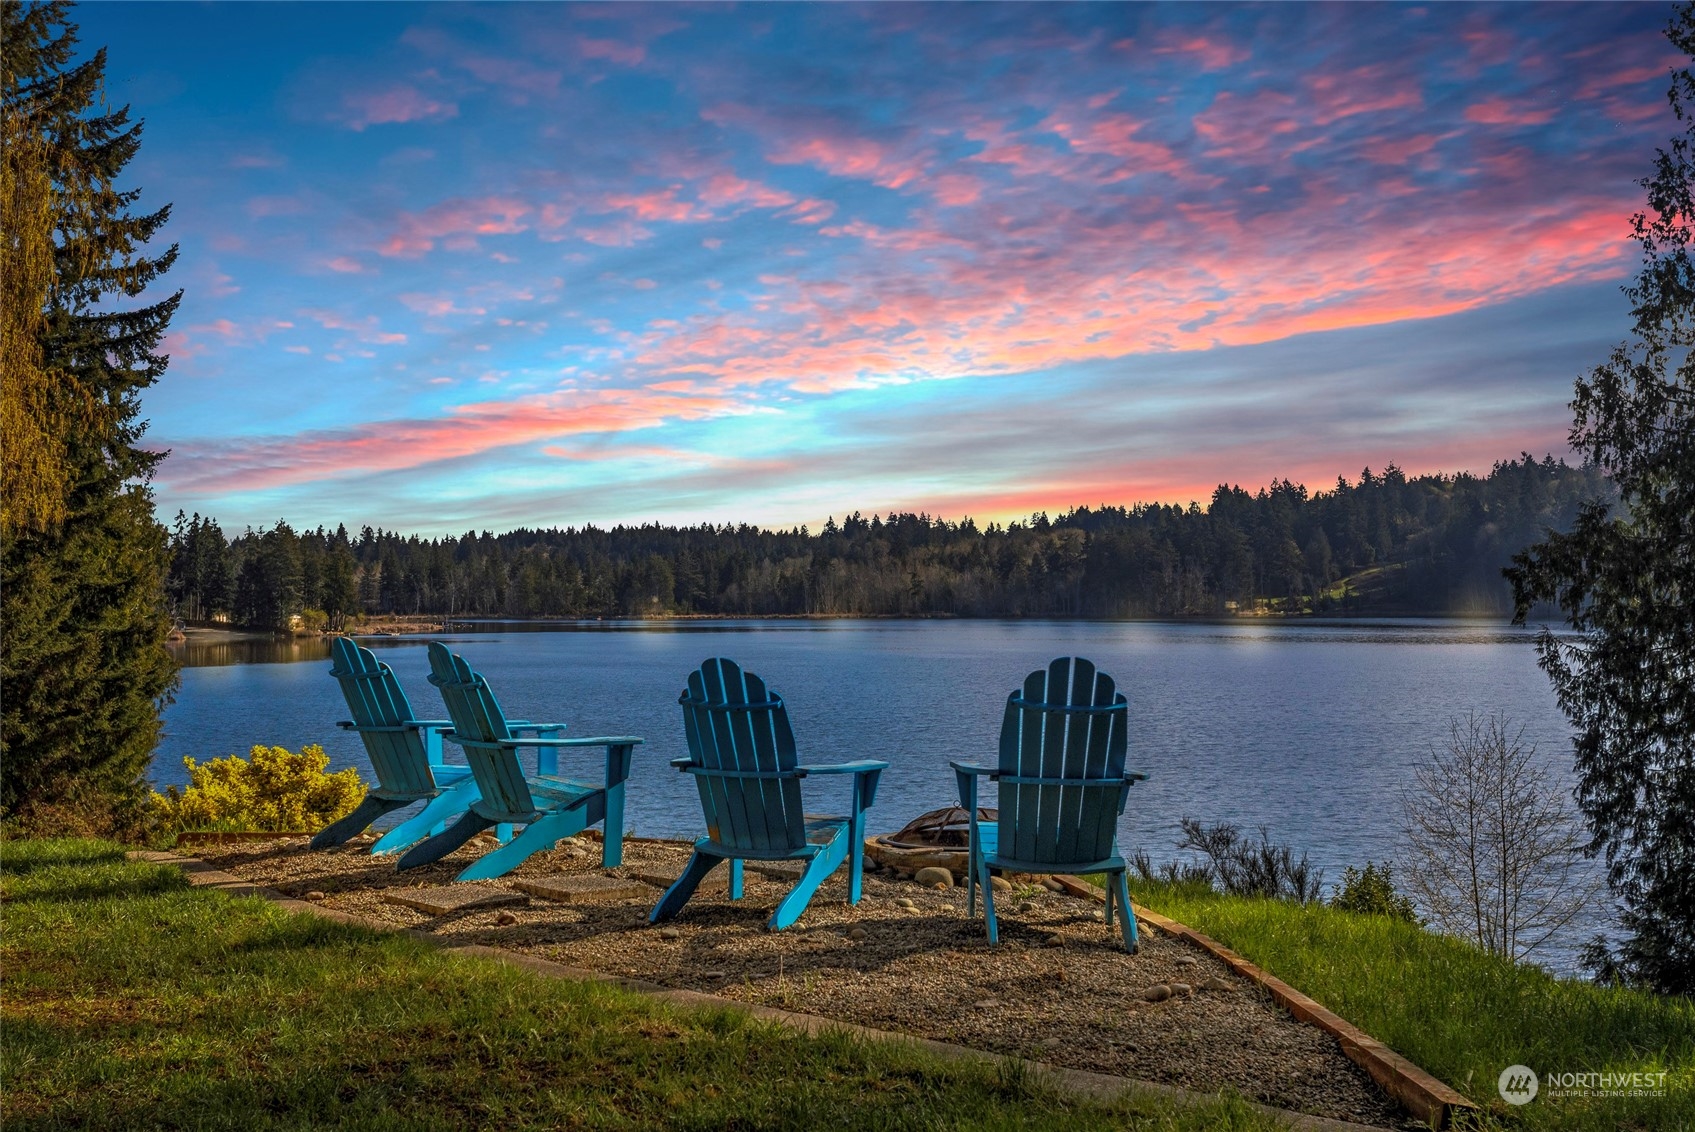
(272,789)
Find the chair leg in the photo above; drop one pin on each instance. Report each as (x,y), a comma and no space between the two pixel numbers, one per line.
(538,835)
(1126,915)
(856,857)
(612,845)
(456,799)
(735,878)
(989,904)
(428,852)
(678,894)
(343,829)
(817,869)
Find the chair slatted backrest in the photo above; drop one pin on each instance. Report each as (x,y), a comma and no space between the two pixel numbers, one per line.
(1067,722)
(376,700)
(477,717)
(735,725)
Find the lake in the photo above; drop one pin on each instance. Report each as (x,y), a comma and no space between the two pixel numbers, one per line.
(1307,728)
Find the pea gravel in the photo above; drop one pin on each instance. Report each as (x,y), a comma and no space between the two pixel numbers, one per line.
(1058,989)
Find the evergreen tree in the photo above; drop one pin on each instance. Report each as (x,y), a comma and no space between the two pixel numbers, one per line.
(1625,579)
(82,601)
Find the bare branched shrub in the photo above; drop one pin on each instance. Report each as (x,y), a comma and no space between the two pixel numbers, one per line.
(1238,865)
(1496,851)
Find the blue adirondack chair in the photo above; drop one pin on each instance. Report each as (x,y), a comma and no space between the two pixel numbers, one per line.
(742,757)
(547,805)
(405,753)
(1062,788)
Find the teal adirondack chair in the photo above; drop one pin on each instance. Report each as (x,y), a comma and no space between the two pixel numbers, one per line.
(742,757)
(547,805)
(405,753)
(1062,784)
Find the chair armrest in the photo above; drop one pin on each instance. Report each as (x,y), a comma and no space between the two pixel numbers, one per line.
(538,728)
(965,777)
(683,763)
(448,723)
(859,767)
(1135,776)
(596,741)
(866,773)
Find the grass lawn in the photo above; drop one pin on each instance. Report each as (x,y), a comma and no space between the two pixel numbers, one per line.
(1457,1012)
(132,1001)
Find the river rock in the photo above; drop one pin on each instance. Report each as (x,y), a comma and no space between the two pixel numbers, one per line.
(314,896)
(1182,989)
(1159,992)
(1054,941)
(1186,961)
(857,933)
(670,933)
(1218,984)
(1052,885)
(506,919)
(1000,884)
(933,876)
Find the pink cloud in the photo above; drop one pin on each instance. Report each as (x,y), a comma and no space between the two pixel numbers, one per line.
(1500,112)
(398,103)
(457,222)
(629,54)
(345,265)
(251,463)
(1212,53)
(659,204)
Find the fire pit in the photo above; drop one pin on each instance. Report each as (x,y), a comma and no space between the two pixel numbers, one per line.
(935,839)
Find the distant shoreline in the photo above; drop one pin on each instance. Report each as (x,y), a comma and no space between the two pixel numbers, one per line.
(411,626)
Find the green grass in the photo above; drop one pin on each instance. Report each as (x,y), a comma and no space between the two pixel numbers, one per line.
(132,1001)
(1458,1012)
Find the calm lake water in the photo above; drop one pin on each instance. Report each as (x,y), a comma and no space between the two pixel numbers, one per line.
(1309,729)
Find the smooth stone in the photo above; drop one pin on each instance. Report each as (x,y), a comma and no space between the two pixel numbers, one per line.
(1000,884)
(1054,941)
(1216,983)
(506,919)
(868,864)
(857,933)
(583,887)
(444,900)
(986,1004)
(1024,906)
(1186,961)
(1159,992)
(1182,989)
(934,877)
(316,896)
(670,933)
(1052,885)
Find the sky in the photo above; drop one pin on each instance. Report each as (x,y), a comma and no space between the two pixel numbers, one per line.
(452,267)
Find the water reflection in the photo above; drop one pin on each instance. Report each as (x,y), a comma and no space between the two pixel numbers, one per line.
(202,652)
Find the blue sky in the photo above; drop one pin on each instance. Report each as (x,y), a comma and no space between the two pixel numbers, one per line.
(529,265)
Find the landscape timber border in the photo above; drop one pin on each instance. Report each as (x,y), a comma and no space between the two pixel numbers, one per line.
(1418,1092)
(1077,1083)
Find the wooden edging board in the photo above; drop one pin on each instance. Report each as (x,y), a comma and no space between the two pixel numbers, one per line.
(1079,1083)
(1419,1093)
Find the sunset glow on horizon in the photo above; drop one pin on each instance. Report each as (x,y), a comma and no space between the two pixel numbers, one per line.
(489,266)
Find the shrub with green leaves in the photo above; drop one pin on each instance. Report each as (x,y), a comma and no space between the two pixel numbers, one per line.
(1372,891)
(272,789)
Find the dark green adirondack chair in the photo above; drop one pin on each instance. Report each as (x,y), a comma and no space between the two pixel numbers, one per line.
(405,754)
(547,805)
(742,757)
(1062,785)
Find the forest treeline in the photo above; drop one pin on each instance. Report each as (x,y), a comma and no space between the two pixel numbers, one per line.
(1430,544)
